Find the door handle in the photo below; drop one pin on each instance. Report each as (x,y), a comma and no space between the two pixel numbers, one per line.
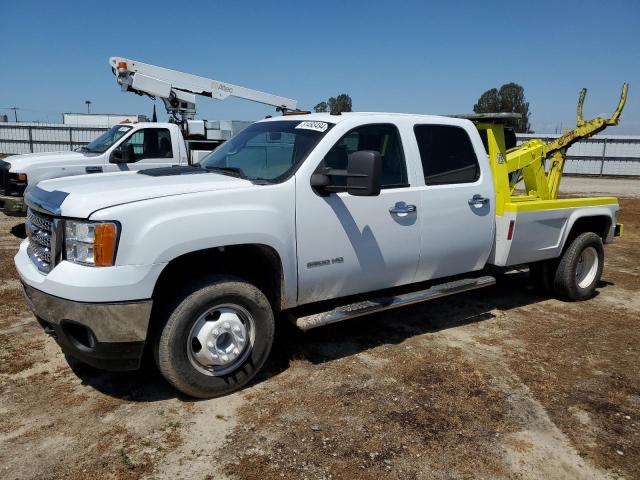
(93,169)
(402,208)
(478,199)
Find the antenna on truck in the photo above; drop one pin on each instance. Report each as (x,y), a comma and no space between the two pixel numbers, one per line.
(178,90)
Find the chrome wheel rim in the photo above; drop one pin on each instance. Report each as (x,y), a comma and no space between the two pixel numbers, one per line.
(221,339)
(587,267)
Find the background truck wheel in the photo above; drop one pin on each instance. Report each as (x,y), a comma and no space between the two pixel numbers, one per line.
(580,268)
(216,337)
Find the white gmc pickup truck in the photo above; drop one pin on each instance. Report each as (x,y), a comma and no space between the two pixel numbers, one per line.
(317,218)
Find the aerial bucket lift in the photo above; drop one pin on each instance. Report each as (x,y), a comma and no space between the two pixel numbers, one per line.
(178,90)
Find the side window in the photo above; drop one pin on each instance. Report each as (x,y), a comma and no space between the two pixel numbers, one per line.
(447,155)
(380,138)
(151,143)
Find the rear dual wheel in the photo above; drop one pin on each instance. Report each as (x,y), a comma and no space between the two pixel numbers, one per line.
(576,274)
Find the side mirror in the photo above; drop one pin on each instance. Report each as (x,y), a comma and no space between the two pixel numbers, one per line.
(123,154)
(363,175)
(364,172)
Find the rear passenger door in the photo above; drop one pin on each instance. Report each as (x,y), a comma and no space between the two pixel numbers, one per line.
(457,202)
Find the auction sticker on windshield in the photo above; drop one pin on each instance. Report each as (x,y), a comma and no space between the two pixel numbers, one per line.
(316,126)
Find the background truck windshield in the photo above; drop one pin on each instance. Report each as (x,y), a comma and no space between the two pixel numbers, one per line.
(267,150)
(108,138)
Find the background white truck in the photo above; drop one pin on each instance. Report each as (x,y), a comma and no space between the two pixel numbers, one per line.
(140,145)
(123,147)
(316,217)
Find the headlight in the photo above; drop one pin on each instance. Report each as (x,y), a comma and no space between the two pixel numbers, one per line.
(17,183)
(90,243)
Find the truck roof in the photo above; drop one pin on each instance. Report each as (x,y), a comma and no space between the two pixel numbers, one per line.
(327,117)
(141,124)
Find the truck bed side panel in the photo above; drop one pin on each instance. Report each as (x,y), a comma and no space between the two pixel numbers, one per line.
(540,234)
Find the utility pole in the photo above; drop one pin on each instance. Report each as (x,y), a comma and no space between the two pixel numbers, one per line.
(15,113)
(88,102)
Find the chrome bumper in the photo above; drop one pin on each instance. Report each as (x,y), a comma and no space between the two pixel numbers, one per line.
(109,322)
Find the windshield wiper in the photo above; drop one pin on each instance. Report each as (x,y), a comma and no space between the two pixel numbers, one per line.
(233,171)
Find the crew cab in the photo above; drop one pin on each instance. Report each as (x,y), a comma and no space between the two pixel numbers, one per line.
(123,147)
(315,218)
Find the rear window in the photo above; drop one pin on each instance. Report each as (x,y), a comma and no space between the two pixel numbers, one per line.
(447,155)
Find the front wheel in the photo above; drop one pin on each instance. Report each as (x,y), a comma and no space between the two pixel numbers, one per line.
(580,268)
(217,338)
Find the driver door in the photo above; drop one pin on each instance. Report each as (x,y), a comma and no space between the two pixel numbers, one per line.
(152,148)
(351,244)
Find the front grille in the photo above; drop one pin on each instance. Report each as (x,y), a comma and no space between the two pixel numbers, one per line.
(41,231)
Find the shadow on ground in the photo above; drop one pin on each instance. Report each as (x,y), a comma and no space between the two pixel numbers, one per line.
(19,231)
(342,339)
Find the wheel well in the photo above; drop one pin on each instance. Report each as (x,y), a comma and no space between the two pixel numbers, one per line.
(599,224)
(258,264)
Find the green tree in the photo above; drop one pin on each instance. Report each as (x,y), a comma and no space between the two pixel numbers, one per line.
(339,104)
(321,107)
(510,99)
(488,102)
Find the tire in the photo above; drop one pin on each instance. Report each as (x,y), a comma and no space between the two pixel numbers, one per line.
(200,348)
(580,268)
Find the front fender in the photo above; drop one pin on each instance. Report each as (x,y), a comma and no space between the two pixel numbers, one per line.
(159,230)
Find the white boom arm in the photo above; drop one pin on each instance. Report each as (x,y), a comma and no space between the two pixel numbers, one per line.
(178,89)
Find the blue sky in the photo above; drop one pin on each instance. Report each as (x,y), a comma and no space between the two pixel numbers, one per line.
(413,56)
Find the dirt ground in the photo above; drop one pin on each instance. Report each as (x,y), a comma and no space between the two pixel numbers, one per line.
(496,383)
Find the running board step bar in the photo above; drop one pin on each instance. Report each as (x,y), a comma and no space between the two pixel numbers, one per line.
(347,312)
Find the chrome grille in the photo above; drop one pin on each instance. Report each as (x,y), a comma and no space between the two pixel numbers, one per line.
(41,231)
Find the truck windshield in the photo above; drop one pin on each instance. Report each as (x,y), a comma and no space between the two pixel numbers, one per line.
(266,151)
(108,138)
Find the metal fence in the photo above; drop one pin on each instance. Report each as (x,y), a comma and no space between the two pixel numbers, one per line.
(616,155)
(599,155)
(25,137)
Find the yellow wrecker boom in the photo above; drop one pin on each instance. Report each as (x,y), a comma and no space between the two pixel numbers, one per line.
(527,161)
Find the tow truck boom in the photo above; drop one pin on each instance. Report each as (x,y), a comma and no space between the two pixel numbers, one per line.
(178,89)
(527,161)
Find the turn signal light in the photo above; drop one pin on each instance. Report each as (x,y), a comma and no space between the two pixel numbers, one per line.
(104,245)
(22,177)
(122,65)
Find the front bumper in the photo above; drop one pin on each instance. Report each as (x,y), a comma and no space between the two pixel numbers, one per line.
(110,336)
(13,206)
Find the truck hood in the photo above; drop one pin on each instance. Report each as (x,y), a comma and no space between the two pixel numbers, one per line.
(82,195)
(20,163)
